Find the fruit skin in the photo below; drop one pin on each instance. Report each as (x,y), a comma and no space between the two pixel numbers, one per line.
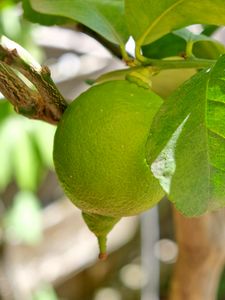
(99,150)
(100,226)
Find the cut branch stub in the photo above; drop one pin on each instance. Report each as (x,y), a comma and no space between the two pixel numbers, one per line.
(45,103)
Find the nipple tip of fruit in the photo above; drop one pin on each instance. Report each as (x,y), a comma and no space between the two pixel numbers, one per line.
(100,226)
(103,256)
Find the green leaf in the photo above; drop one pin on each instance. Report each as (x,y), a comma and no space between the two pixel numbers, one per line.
(43,135)
(5,156)
(24,157)
(188,36)
(25,152)
(186,147)
(203,46)
(208,49)
(209,29)
(148,20)
(168,45)
(7,3)
(23,221)
(5,110)
(45,292)
(106,17)
(174,44)
(44,19)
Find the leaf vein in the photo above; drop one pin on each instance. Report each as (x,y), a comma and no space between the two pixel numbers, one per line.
(157,20)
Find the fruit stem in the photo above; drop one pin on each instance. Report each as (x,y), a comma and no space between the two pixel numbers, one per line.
(102,247)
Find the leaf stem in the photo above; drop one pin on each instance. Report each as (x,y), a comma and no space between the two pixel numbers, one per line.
(189,62)
(192,63)
(124,54)
(140,58)
(189,47)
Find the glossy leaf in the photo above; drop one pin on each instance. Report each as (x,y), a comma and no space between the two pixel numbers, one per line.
(188,36)
(186,147)
(174,44)
(149,20)
(42,18)
(106,17)
(209,29)
(208,49)
(203,46)
(168,45)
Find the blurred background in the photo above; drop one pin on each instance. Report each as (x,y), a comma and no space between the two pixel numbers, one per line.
(46,251)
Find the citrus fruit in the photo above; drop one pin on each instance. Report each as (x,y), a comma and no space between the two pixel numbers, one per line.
(99,154)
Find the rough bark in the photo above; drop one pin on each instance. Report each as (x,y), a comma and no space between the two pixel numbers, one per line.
(201,256)
(43,101)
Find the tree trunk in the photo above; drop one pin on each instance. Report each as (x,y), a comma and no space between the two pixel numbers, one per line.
(201,256)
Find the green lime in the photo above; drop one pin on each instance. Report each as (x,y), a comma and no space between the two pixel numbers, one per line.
(99,152)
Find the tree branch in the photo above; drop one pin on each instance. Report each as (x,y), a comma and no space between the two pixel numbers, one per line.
(201,256)
(46,103)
